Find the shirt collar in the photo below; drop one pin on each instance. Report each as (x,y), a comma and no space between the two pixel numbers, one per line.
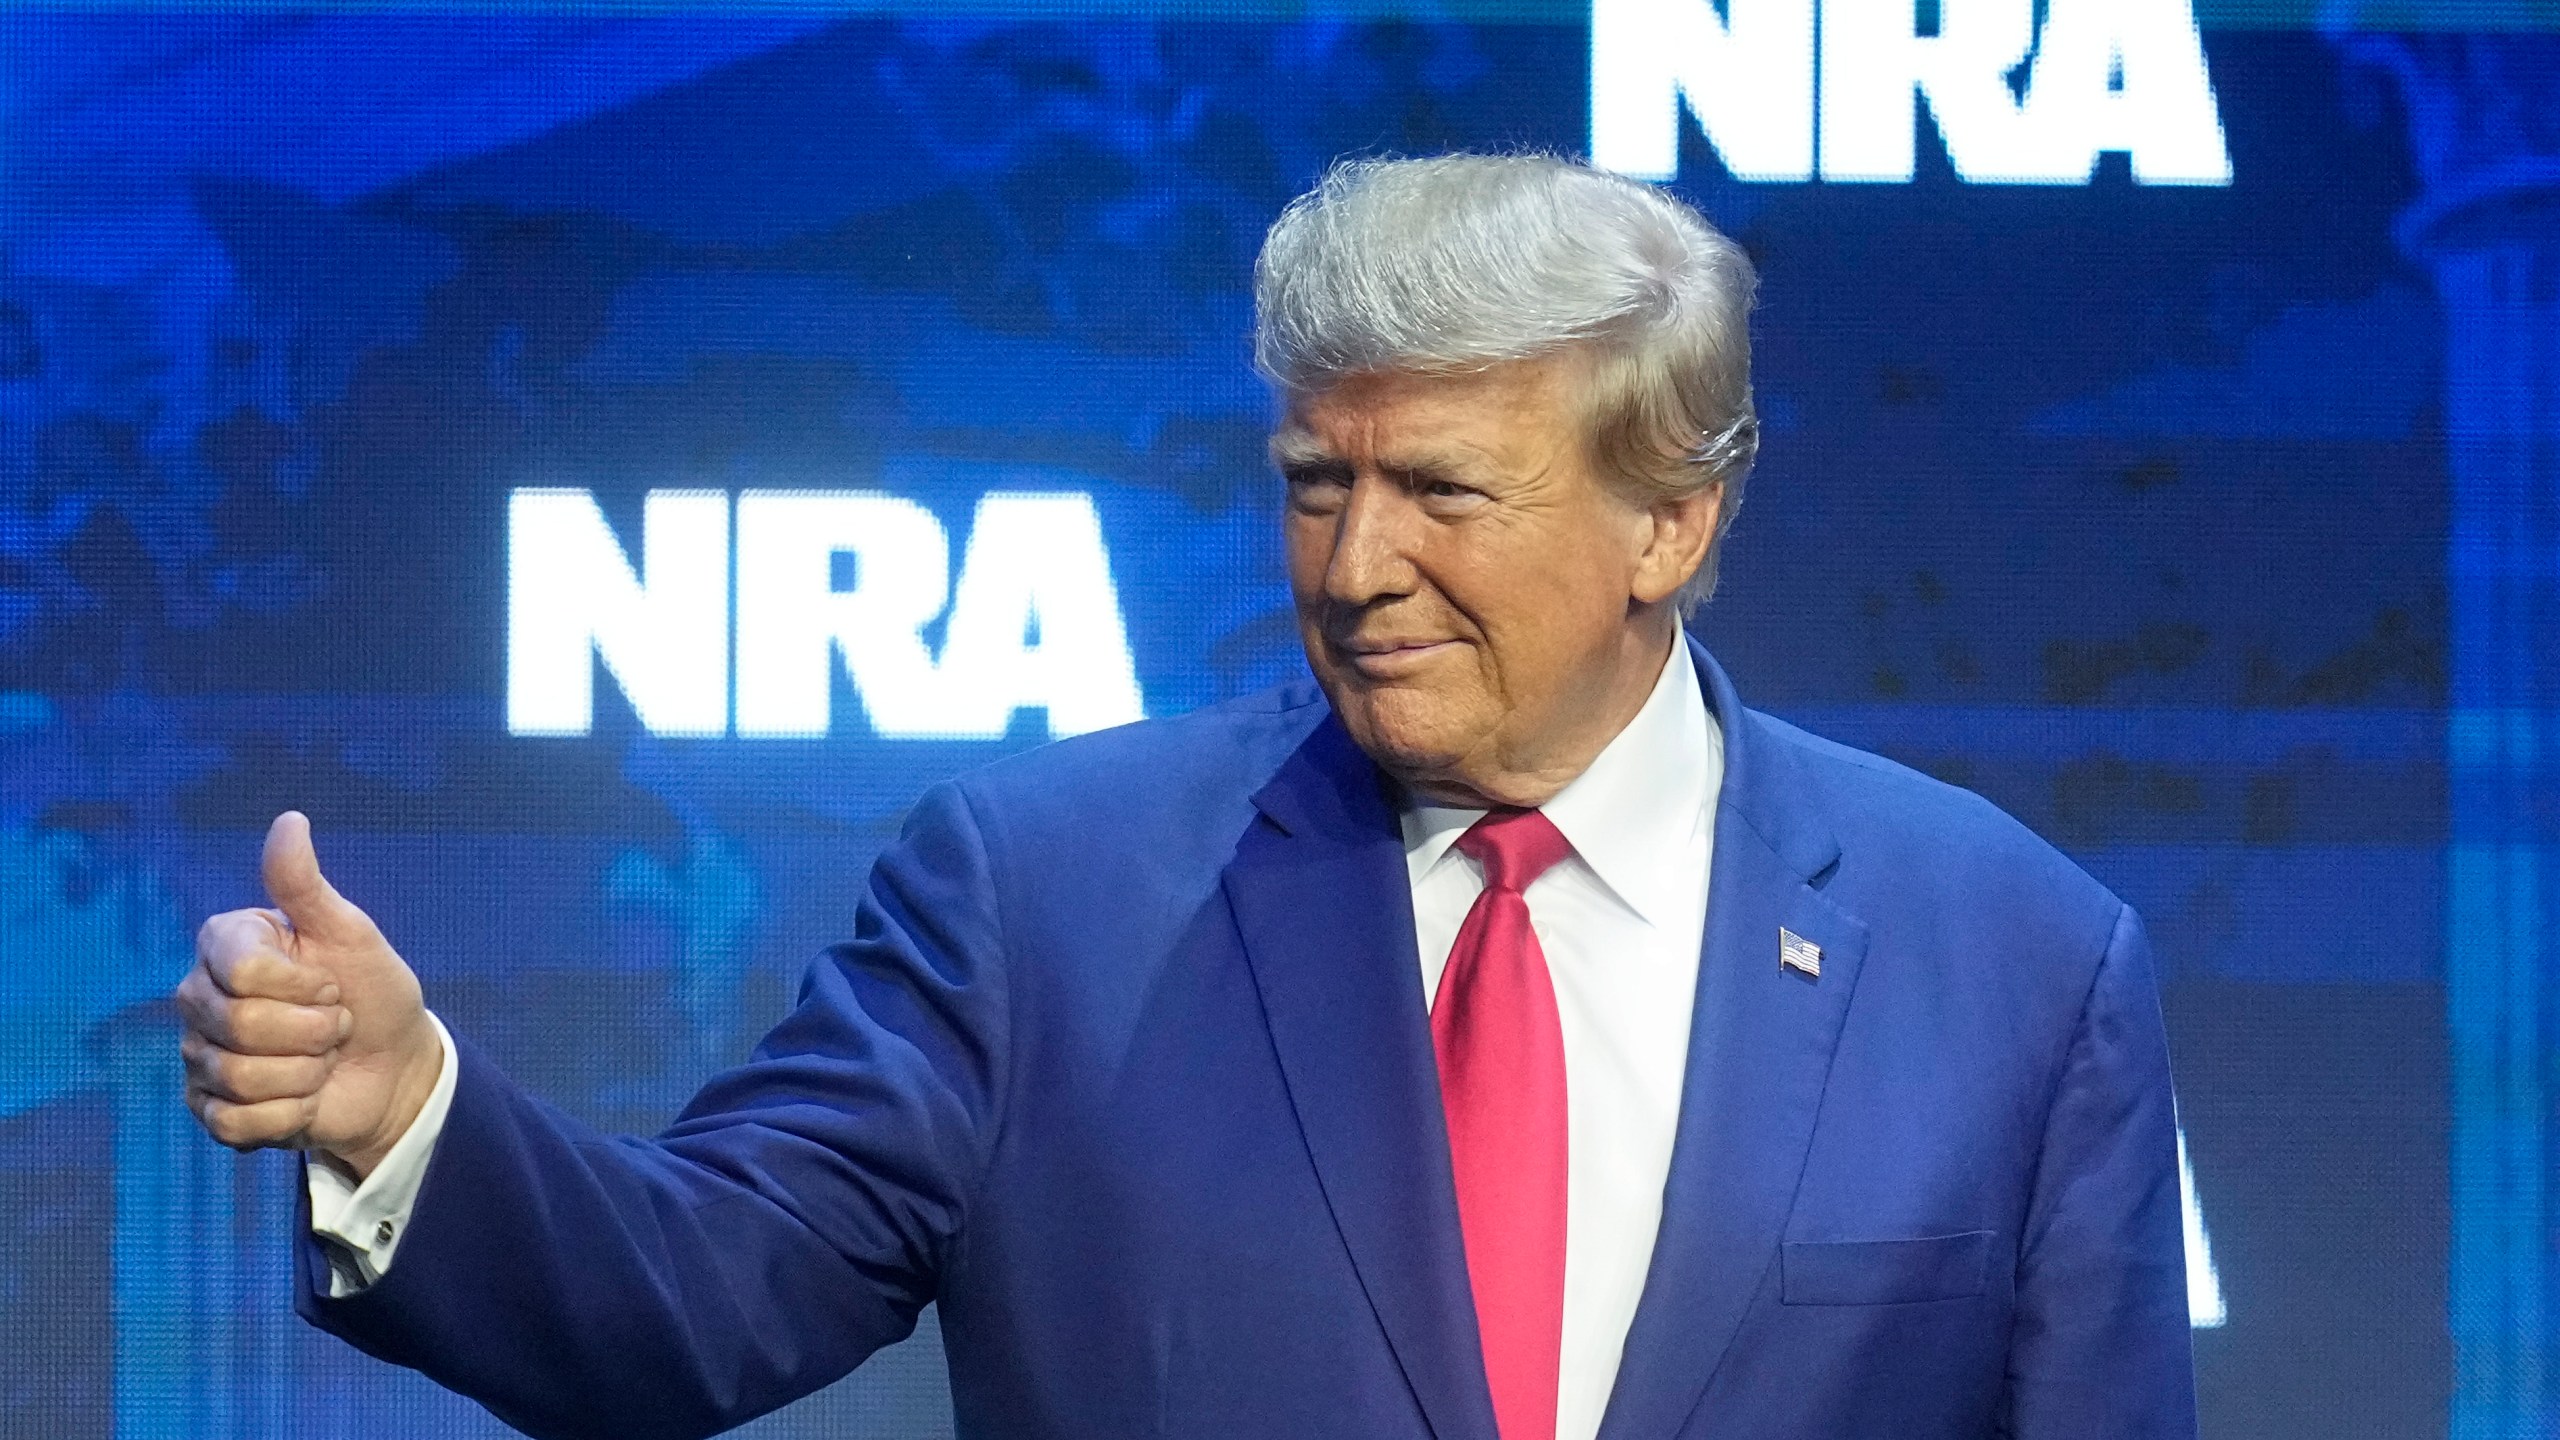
(1630,815)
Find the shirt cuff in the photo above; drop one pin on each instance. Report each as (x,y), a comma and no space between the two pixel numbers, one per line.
(362,1224)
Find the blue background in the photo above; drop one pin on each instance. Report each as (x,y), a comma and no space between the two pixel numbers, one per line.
(2215,532)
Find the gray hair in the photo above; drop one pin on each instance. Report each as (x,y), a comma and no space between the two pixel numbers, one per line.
(1455,263)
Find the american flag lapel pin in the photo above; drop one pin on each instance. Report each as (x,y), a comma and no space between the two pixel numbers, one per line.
(1799,954)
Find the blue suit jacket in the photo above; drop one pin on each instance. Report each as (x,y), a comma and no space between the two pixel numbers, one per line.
(1126,1066)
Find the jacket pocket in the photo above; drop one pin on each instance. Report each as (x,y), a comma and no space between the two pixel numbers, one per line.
(1883,1272)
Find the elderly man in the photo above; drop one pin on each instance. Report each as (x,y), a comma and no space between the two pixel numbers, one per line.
(1507,1035)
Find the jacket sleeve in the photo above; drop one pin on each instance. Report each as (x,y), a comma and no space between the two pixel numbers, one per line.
(2102,1348)
(792,1220)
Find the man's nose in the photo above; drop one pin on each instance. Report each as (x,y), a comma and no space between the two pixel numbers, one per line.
(1372,546)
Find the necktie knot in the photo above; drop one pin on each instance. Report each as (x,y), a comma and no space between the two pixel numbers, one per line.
(1515,847)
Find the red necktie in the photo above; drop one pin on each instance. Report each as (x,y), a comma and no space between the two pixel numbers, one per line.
(1501,1052)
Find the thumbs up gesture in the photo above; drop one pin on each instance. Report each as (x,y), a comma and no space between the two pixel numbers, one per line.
(304,1028)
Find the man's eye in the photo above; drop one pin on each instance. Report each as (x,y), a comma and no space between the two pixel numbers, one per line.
(1316,490)
(1446,490)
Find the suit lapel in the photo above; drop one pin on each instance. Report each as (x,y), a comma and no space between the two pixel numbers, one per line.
(1760,1048)
(1321,900)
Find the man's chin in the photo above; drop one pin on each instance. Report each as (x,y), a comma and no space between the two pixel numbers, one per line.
(1410,735)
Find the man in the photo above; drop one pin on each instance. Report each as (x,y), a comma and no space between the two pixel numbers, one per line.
(1508,1034)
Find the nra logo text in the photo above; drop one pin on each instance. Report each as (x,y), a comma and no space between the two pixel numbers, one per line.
(699,646)
(1791,89)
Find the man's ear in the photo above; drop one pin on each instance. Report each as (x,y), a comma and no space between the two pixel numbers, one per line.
(1682,529)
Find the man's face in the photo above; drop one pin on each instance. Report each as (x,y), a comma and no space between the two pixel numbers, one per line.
(1482,610)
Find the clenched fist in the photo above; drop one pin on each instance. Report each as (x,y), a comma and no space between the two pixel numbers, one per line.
(304,1028)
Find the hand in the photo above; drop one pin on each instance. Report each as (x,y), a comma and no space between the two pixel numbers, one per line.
(304,1028)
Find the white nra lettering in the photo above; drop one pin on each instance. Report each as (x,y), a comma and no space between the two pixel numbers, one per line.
(2206,1309)
(2125,76)
(1034,622)
(570,590)
(1748,78)
(793,622)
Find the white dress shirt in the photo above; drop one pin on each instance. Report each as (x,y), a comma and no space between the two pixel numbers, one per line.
(1621,921)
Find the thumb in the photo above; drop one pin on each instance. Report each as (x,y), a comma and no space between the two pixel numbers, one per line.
(291,869)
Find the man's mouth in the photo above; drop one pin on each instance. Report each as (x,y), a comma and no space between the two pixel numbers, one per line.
(1388,659)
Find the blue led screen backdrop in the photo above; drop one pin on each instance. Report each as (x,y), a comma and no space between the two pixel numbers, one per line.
(602,462)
